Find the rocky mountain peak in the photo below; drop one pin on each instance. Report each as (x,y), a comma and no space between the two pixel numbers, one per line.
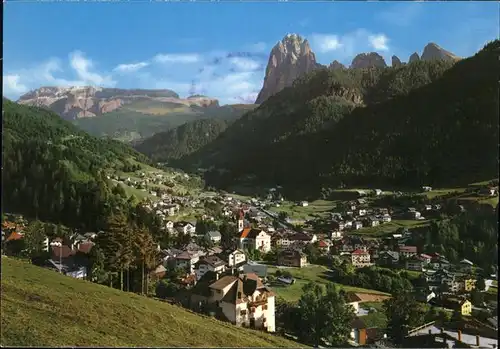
(368,60)
(336,65)
(414,58)
(290,58)
(396,62)
(433,51)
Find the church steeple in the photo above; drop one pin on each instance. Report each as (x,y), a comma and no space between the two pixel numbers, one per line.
(241,220)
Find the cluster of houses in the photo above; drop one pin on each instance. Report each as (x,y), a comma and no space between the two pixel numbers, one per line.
(63,253)
(225,283)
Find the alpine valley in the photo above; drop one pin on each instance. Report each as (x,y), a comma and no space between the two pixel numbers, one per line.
(426,121)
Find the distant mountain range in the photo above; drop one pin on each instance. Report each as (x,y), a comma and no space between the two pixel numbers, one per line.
(292,57)
(428,122)
(289,60)
(128,115)
(133,115)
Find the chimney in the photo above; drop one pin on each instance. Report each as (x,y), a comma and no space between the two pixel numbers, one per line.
(477,341)
(459,335)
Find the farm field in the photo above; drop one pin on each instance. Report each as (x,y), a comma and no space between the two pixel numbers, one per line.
(314,273)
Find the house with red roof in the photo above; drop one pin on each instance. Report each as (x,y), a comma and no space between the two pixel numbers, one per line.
(360,258)
(255,239)
(323,246)
(408,251)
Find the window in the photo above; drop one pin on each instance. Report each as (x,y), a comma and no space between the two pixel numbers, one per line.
(252,310)
(243,313)
(264,307)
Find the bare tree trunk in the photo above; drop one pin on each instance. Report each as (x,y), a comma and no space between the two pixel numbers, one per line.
(128,278)
(142,278)
(121,279)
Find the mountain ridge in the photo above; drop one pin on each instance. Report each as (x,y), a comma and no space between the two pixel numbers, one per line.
(320,110)
(89,101)
(292,57)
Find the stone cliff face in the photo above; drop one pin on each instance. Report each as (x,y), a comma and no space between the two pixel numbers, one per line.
(434,52)
(368,60)
(396,62)
(80,102)
(336,65)
(289,59)
(414,58)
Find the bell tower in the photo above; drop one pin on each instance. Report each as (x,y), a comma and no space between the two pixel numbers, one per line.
(240,218)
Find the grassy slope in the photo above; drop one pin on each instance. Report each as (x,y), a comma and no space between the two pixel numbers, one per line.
(41,308)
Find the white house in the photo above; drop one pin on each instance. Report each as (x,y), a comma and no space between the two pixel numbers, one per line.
(245,301)
(357,225)
(185,227)
(255,239)
(214,236)
(209,263)
(353,300)
(304,203)
(236,258)
(187,260)
(169,225)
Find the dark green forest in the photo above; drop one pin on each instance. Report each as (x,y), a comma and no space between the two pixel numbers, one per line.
(55,172)
(182,140)
(432,123)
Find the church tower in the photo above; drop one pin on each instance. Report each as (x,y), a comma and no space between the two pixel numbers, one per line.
(241,219)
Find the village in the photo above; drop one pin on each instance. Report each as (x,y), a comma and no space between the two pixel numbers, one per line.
(273,247)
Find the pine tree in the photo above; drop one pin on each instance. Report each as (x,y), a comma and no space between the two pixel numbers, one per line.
(145,253)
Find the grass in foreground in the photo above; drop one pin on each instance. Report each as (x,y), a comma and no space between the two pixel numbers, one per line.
(314,273)
(42,308)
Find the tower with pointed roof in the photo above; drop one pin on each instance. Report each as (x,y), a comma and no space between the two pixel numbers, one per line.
(241,220)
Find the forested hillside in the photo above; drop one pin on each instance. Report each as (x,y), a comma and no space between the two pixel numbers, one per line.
(182,140)
(425,122)
(54,171)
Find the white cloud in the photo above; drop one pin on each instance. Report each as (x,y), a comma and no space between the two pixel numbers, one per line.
(379,42)
(177,58)
(83,67)
(258,47)
(52,73)
(343,47)
(12,85)
(229,77)
(248,98)
(131,67)
(245,64)
(326,42)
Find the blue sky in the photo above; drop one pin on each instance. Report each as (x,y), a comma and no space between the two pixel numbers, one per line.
(217,49)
